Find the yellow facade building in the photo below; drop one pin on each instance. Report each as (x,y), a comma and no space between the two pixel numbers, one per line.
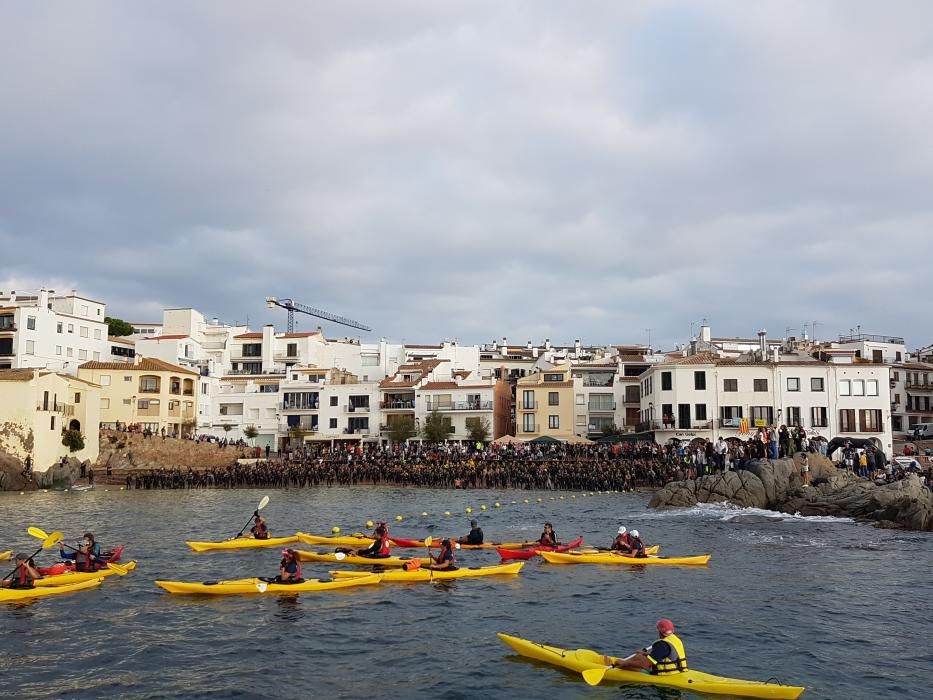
(544,404)
(37,406)
(149,393)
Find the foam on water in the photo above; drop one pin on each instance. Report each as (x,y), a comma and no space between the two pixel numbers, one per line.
(726,511)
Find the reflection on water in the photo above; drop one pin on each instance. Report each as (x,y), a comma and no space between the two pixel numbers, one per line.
(770,590)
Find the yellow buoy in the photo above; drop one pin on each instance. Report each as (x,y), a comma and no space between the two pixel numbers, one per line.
(469,510)
(398,517)
(573,497)
(497,504)
(424,514)
(23,493)
(539,500)
(526,500)
(335,529)
(446,512)
(369,523)
(121,488)
(514,502)
(482,507)
(562,498)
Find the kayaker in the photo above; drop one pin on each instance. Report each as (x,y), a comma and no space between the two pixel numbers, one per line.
(87,558)
(638,547)
(548,537)
(23,576)
(289,568)
(259,529)
(445,560)
(666,656)
(622,542)
(380,546)
(475,536)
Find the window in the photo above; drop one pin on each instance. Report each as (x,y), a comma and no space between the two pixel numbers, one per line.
(793,383)
(897,357)
(581,420)
(82,354)
(580,400)
(699,380)
(252,350)
(30,347)
(268,388)
(84,309)
(204,389)
(96,357)
(553,398)
(601,402)
(31,323)
(292,350)
(97,334)
(847,420)
(52,426)
(553,377)
(761,385)
(149,385)
(699,411)
(333,423)
(71,328)
(333,400)
(762,416)
(77,397)
(58,349)
(845,387)
(127,378)
(528,400)
(83,331)
(730,416)
(105,403)
(730,384)
(793,415)
(127,402)
(666,381)
(104,380)
(872,386)
(59,327)
(870,420)
(858,387)
(553,422)
(528,422)
(816,384)
(69,352)
(818,417)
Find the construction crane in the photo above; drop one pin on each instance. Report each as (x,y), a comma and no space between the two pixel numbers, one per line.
(292,306)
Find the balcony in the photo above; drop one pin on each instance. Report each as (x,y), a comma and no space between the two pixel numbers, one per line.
(398,405)
(356,431)
(632,398)
(351,408)
(596,382)
(214,345)
(523,429)
(289,406)
(286,357)
(528,406)
(602,409)
(307,427)
(7,328)
(919,386)
(51,407)
(459,406)
(647,425)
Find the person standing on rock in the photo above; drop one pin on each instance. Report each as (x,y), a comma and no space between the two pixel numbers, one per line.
(805,470)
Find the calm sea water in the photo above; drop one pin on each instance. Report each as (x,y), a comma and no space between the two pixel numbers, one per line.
(839,607)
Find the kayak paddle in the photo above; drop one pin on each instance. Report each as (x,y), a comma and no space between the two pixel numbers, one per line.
(594,676)
(428,541)
(40,534)
(49,542)
(262,504)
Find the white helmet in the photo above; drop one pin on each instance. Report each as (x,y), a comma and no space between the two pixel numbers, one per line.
(635,533)
(622,530)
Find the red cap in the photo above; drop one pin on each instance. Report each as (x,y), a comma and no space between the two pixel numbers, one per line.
(665,626)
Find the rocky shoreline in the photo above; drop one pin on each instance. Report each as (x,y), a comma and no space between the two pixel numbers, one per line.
(777,485)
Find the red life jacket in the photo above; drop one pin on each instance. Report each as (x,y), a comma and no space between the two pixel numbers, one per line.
(384,542)
(260,531)
(22,579)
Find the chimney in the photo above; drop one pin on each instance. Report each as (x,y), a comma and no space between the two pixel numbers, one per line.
(495,344)
(534,353)
(268,346)
(576,346)
(776,355)
(43,299)
(763,343)
(547,343)
(12,296)
(528,345)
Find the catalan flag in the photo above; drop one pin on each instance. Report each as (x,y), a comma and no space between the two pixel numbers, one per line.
(743,426)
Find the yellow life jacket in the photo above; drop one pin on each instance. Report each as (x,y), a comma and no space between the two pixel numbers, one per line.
(667,665)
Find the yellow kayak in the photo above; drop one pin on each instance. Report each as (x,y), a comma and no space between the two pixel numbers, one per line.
(583,659)
(79,577)
(8,595)
(331,558)
(242,543)
(420,575)
(653,549)
(8,554)
(256,586)
(355,540)
(610,558)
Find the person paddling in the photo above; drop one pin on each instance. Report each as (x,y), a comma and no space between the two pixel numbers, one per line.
(548,537)
(87,556)
(666,656)
(25,574)
(289,567)
(623,542)
(379,549)
(475,536)
(259,529)
(444,561)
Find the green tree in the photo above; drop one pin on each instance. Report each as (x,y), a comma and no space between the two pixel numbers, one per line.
(401,429)
(227,427)
(250,432)
(478,428)
(297,434)
(118,327)
(436,427)
(73,440)
(611,430)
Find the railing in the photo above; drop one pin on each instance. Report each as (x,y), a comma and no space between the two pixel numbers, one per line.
(537,429)
(287,406)
(926,386)
(645,426)
(7,327)
(356,431)
(11,353)
(69,410)
(599,382)
(402,405)
(732,423)
(215,345)
(350,408)
(285,356)
(460,406)
(51,407)
(528,406)
(149,391)
(601,409)
(872,338)
(879,429)
(632,398)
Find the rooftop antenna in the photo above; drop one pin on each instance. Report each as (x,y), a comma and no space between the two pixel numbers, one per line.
(648,330)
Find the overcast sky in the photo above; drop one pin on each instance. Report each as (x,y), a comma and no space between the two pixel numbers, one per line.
(472,170)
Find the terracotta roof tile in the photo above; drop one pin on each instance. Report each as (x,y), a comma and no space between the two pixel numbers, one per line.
(146,364)
(247,335)
(23,374)
(299,335)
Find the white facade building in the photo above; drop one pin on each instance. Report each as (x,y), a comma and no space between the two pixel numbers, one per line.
(43,330)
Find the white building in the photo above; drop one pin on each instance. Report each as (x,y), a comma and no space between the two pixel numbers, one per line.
(57,332)
(832,395)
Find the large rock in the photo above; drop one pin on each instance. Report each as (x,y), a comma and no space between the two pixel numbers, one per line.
(777,485)
(11,475)
(61,475)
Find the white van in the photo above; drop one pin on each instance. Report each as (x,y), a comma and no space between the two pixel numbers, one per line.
(923,430)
